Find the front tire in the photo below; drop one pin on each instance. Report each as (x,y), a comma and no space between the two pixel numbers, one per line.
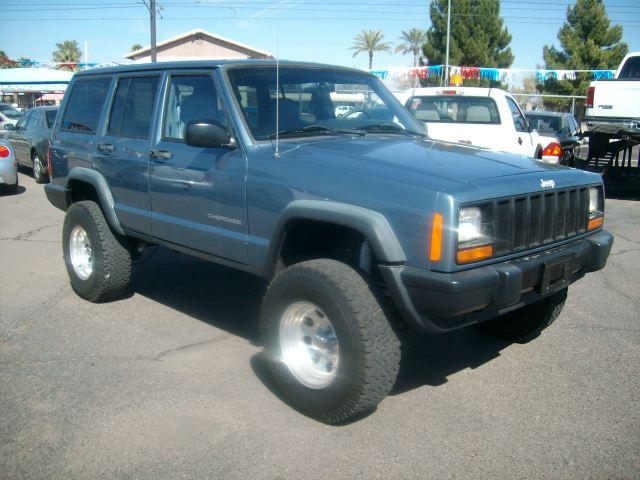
(329,345)
(98,262)
(527,322)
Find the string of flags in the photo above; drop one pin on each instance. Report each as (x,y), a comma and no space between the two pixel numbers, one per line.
(504,75)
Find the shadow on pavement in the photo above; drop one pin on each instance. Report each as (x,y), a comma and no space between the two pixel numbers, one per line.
(230,300)
(5,193)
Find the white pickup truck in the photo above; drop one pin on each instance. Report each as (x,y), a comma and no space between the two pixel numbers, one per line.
(613,106)
(481,117)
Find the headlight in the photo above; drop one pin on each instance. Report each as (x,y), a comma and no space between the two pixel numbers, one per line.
(469,224)
(473,242)
(596,208)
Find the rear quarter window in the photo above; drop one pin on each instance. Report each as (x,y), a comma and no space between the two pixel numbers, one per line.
(85,104)
(631,69)
(50,115)
(454,109)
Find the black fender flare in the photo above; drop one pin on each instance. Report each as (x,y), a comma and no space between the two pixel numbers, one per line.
(97,181)
(371,224)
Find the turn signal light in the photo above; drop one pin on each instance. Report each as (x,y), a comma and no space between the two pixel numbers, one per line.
(552,150)
(435,248)
(4,151)
(475,254)
(596,223)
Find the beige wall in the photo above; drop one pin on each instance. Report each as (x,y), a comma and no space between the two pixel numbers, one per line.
(198,49)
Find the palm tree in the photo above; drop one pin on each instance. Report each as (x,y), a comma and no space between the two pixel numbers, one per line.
(412,42)
(369,41)
(135,46)
(67,52)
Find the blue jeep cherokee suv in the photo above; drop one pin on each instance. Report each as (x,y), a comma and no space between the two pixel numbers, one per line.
(362,225)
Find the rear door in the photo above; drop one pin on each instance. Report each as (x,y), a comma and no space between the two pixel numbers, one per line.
(19,138)
(197,194)
(122,150)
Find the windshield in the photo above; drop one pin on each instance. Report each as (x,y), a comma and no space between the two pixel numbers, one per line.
(317,101)
(10,112)
(546,124)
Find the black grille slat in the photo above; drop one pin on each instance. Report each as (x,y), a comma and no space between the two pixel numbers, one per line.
(520,230)
(535,221)
(572,213)
(561,217)
(549,217)
(584,210)
(504,227)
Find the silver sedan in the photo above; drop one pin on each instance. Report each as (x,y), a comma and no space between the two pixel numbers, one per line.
(8,168)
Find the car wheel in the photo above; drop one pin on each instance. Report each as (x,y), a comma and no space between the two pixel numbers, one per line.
(98,262)
(528,322)
(39,174)
(330,347)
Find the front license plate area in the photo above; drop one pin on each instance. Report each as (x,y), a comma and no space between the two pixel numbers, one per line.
(555,274)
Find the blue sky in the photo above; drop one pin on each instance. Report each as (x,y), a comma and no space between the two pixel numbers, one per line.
(312,30)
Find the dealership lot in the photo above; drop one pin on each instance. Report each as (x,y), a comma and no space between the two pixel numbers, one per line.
(169,383)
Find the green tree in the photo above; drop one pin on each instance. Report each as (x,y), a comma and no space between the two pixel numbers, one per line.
(67,51)
(135,46)
(478,36)
(369,41)
(412,41)
(587,42)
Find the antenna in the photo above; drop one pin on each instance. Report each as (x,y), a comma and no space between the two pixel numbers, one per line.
(277,153)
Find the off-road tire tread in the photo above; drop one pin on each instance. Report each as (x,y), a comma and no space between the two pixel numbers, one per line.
(380,355)
(113,276)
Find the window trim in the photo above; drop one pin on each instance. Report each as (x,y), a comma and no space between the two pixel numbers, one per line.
(68,101)
(126,76)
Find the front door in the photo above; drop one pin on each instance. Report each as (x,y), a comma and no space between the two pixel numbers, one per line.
(122,152)
(197,194)
(521,140)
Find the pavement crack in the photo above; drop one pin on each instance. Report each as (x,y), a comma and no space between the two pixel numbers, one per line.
(26,235)
(627,239)
(188,346)
(626,250)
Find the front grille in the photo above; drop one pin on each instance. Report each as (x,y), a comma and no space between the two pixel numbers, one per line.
(525,222)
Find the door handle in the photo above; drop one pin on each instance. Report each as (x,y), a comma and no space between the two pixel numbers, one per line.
(105,147)
(519,140)
(160,155)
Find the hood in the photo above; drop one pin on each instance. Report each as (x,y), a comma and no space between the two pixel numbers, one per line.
(439,161)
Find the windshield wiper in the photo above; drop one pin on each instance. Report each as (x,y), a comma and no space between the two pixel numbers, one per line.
(389,128)
(315,130)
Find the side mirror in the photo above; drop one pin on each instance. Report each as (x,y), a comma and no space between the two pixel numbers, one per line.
(208,134)
(9,126)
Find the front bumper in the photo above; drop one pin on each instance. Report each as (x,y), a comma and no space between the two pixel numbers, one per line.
(439,302)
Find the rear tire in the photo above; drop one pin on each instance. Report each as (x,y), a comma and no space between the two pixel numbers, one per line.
(13,189)
(353,340)
(528,322)
(39,174)
(98,262)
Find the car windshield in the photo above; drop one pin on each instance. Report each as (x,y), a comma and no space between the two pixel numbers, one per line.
(51,117)
(310,101)
(546,124)
(10,112)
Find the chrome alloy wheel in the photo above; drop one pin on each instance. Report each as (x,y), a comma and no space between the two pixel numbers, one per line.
(80,252)
(37,167)
(308,345)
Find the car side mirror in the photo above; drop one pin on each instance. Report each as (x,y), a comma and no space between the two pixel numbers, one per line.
(208,134)
(9,126)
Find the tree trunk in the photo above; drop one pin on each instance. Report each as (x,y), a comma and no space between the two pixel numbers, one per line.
(370,59)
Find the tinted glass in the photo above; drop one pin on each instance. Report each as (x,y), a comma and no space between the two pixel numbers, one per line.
(518,118)
(545,123)
(33,120)
(132,110)
(85,104)
(631,68)
(319,98)
(50,115)
(21,125)
(454,109)
(191,97)
(10,112)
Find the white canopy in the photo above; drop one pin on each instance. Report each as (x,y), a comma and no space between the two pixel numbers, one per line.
(33,80)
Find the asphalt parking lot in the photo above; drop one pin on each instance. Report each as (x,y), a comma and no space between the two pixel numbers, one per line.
(169,383)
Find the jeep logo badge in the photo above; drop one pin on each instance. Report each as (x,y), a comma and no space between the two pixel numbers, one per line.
(547,183)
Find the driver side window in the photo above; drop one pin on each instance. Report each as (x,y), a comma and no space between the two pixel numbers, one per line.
(518,118)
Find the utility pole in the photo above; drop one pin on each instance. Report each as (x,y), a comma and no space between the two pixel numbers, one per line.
(151,6)
(446,68)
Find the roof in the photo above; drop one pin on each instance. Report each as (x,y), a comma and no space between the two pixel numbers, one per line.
(9,76)
(193,33)
(193,64)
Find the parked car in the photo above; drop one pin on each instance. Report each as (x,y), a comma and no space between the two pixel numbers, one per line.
(8,168)
(362,226)
(481,117)
(8,115)
(30,139)
(343,110)
(558,127)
